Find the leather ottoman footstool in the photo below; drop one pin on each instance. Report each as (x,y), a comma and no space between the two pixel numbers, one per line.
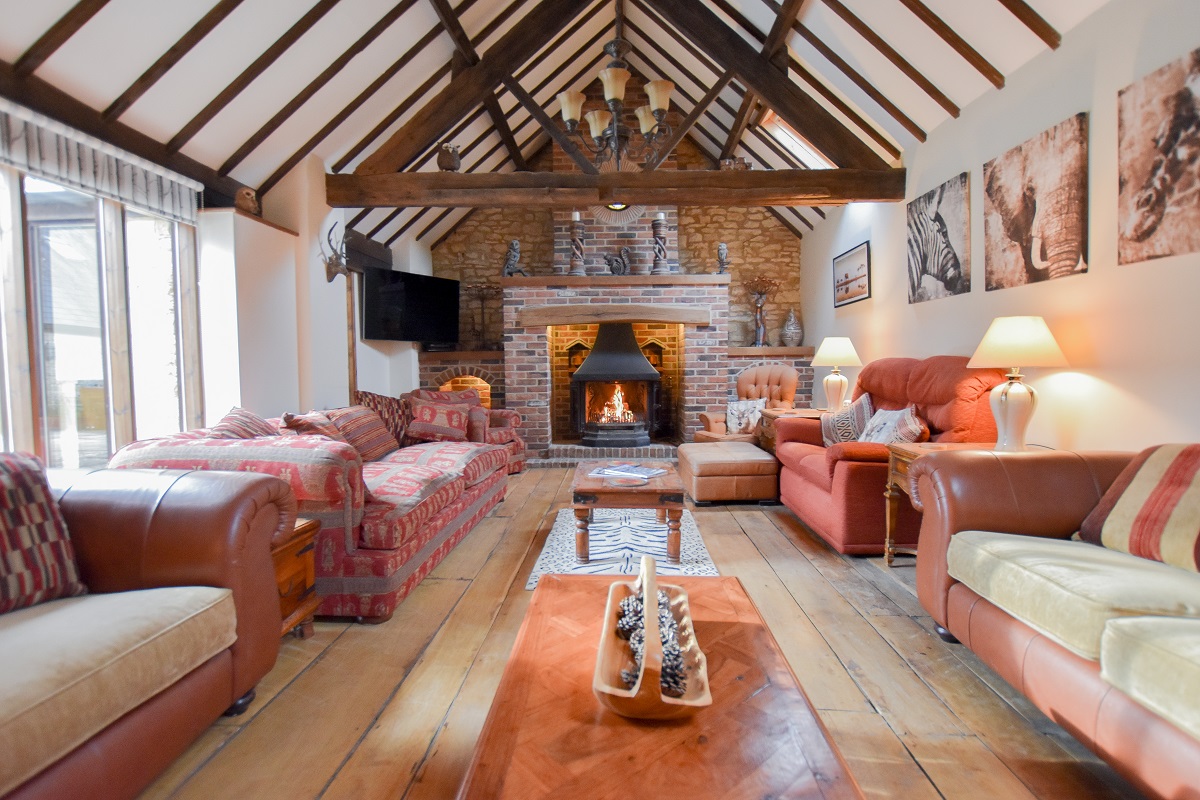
(717,472)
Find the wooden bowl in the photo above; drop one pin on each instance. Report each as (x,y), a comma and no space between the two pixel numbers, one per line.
(645,700)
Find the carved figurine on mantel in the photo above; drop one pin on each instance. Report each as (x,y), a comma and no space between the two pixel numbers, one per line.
(618,264)
(722,258)
(246,200)
(759,287)
(512,261)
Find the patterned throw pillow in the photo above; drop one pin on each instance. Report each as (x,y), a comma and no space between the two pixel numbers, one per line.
(364,430)
(849,423)
(477,424)
(468,397)
(314,422)
(437,422)
(1152,510)
(742,416)
(37,561)
(241,424)
(389,409)
(889,427)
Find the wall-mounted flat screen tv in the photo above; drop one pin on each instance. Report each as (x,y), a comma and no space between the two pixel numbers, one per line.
(406,307)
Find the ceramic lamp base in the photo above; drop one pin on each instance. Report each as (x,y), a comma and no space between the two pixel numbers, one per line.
(835,390)
(1013,403)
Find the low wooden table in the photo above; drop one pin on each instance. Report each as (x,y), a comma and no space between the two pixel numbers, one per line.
(900,458)
(664,492)
(547,736)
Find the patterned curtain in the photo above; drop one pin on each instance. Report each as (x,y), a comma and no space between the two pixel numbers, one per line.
(38,145)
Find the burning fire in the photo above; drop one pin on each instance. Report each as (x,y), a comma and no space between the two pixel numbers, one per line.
(615,410)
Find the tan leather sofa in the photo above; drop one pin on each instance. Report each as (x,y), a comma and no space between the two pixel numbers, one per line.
(1105,643)
(100,693)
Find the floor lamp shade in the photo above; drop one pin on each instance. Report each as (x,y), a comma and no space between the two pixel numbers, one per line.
(1016,342)
(835,351)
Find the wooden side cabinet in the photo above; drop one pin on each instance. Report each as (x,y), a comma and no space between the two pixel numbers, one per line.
(295,573)
(766,428)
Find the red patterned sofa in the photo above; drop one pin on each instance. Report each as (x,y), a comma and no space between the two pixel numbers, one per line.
(386,520)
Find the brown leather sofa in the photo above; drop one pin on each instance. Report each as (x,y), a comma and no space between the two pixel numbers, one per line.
(1047,494)
(143,530)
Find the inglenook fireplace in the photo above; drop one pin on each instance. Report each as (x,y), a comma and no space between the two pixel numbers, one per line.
(614,393)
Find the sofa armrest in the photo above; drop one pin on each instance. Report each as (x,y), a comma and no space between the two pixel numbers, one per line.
(856,451)
(713,421)
(503,418)
(1038,493)
(144,529)
(798,429)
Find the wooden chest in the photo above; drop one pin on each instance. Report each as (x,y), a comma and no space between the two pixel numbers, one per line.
(295,574)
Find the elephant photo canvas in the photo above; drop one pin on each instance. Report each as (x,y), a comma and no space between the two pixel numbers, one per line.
(1035,208)
(1158,147)
(939,244)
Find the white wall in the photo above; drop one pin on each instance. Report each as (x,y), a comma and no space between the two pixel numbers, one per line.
(1128,331)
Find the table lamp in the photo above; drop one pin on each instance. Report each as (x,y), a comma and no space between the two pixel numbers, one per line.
(835,351)
(1016,340)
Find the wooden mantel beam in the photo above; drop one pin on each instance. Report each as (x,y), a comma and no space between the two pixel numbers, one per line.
(787,187)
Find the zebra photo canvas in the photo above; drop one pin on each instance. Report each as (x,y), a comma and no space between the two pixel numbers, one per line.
(939,243)
(1035,207)
(1158,154)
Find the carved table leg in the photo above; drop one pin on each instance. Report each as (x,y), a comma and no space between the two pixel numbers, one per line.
(892,496)
(582,517)
(674,515)
(660,515)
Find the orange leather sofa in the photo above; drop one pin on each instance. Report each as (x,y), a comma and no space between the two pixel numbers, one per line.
(145,530)
(838,491)
(1045,495)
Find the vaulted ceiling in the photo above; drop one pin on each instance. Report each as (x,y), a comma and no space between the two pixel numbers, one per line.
(238,92)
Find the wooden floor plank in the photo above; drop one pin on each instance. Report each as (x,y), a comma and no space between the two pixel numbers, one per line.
(880,762)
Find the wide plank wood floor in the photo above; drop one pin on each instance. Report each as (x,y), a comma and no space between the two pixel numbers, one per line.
(393,711)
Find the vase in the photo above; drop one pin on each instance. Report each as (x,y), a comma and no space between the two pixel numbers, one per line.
(793,334)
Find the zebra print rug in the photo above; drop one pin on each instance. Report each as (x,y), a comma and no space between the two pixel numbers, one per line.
(617,540)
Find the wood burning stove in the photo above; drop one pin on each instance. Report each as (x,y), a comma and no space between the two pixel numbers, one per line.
(614,393)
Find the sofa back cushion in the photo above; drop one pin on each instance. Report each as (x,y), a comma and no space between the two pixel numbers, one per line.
(954,400)
(364,430)
(849,423)
(37,561)
(436,422)
(390,410)
(773,383)
(886,380)
(468,397)
(241,423)
(1152,510)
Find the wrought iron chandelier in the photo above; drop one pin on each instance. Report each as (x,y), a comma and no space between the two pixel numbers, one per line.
(610,138)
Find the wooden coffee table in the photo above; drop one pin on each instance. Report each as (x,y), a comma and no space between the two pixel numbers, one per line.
(547,736)
(664,492)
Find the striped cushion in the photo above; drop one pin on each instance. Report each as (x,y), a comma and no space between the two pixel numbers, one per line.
(888,427)
(37,561)
(241,424)
(314,422)
(849,423)
(389,409)
(364,430)
(1152,510)
(437,422)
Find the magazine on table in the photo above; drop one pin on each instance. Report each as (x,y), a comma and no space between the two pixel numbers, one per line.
(626,471)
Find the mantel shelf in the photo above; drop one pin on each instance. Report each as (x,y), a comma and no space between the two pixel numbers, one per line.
(772,351)
(614,281)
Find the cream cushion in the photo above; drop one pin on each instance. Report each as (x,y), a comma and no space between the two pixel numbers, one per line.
(1069,590)
(1156,661)
(71,667)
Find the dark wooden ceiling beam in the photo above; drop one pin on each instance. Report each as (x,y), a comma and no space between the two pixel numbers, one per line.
(956,42)
(889,52)
(673,187)
(215,16)
(1034,21)
(260,64)
(315,85)
(841,105)
(56,36)
(462,43)
(774,212)
(35,93)
(681,130)
(741,121)
(470,86)
(802,112)
(862,83)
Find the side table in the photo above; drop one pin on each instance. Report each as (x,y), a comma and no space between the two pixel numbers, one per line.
(295,573)
(766,428)
(900,458)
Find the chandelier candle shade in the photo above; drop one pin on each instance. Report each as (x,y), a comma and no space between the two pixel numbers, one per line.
(609,138)
(1026,341)
(835,351)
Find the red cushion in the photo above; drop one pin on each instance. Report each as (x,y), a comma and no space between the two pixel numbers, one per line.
(241,424)
(477,424)
(472,461)
(437,422)
(364,430)
(37,561)
(886,380)
(468,396)
(314,422)
(390,410)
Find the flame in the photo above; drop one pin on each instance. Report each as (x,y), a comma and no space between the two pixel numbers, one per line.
(616,410)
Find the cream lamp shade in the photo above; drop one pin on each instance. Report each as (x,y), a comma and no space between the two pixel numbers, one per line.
(1016,342)
(835,351)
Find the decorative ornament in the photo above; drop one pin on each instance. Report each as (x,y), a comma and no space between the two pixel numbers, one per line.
(759,287)
(512,261)
(577,267)
(618,264)
(246,200)
(448,159)
(722,258)
(659,227)
(793,334)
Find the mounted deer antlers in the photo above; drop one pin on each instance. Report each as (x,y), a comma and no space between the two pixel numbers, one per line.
(335,260)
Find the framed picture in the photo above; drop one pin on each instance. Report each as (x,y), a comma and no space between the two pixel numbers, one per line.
(852,275)
(939,239)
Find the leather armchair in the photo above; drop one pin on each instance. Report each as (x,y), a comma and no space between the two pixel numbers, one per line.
(776,382)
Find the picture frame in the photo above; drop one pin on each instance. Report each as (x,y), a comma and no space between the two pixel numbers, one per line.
(852,275)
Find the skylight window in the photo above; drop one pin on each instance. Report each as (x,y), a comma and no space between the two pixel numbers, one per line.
(793,142)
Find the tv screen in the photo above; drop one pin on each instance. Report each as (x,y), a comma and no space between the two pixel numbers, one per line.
(405,307)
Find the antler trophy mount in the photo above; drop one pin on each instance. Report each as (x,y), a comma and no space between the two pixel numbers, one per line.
(335,260)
